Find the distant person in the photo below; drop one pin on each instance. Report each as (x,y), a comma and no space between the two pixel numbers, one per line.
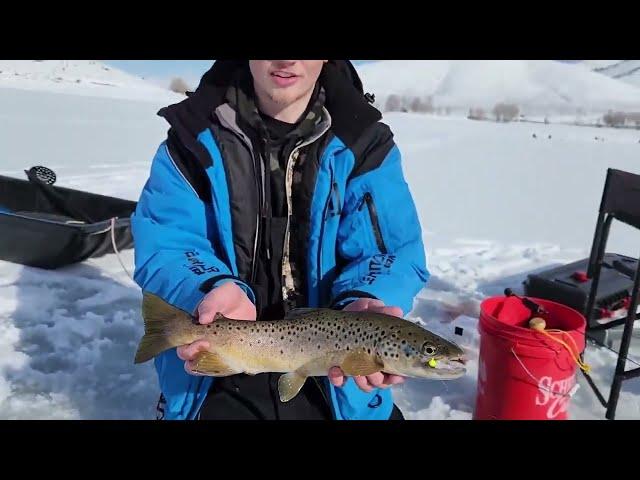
(278,187)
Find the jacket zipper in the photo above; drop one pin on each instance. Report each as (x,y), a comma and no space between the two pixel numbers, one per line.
(288,281)
(259,210)
(324,217)
(259,205)
(373,214)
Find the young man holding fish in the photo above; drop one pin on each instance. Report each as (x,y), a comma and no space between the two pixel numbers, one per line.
(278,188)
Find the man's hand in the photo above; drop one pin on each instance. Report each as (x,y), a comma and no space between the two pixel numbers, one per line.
(229,300)
(375,380)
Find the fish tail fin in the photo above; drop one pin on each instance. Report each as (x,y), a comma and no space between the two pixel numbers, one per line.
(160,319)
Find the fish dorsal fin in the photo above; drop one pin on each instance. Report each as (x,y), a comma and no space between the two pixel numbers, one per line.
(301,312)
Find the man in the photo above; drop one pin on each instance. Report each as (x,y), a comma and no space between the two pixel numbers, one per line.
(277,187)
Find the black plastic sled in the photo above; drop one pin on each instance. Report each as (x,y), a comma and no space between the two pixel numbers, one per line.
(49,227)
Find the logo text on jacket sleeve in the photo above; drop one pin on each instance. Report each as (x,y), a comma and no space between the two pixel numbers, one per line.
(196,265)
(378,265)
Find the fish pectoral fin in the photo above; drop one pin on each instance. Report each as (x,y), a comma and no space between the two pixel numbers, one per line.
(290,384)
(213,364)
(360,363)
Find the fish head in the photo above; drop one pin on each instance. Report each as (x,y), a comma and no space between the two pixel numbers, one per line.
(415,352)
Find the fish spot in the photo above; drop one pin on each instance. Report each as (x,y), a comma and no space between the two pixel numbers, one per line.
(404,342)
(281,352)
(208,326)
(386,354)
(282,337)
(318,347)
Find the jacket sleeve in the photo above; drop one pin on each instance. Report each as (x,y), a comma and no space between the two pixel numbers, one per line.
(380,237)
(171,226)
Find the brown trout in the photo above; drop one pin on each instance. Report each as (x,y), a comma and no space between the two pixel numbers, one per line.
(307,343)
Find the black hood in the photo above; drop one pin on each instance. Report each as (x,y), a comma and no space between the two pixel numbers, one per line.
(350,110)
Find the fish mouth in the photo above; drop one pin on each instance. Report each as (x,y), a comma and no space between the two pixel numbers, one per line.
(462,360)
(449,368)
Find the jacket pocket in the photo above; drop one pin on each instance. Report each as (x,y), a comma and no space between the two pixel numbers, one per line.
(368,202)
(335,204)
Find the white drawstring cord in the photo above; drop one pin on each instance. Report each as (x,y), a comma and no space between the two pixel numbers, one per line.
(115,248)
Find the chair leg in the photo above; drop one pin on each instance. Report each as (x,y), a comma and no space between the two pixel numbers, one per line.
(595,265)
(616,386)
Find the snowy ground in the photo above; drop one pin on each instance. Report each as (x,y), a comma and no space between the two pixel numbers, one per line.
(495,204)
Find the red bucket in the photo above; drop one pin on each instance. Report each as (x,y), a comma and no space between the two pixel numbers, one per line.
(522,373)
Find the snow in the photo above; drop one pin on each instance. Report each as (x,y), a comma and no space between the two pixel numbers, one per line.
(540,87)
(627,71)
(600,64)
(495,204)
(80,77)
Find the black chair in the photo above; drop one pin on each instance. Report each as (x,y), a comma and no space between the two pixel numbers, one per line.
(620,201)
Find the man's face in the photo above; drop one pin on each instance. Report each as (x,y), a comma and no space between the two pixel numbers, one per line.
(285,81)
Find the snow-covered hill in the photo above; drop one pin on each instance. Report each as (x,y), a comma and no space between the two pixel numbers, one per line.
(541,87)
(627,71)
(80,77)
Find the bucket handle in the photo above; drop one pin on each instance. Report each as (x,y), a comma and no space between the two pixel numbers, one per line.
(575,355)
(570,393)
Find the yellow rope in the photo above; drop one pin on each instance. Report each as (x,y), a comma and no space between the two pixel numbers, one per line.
(539,325)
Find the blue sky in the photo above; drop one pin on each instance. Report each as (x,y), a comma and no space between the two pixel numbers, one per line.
(162,71)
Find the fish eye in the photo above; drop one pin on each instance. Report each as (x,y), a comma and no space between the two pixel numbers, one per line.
(429,349)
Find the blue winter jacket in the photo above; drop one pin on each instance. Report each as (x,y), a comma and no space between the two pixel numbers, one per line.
(192,226)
